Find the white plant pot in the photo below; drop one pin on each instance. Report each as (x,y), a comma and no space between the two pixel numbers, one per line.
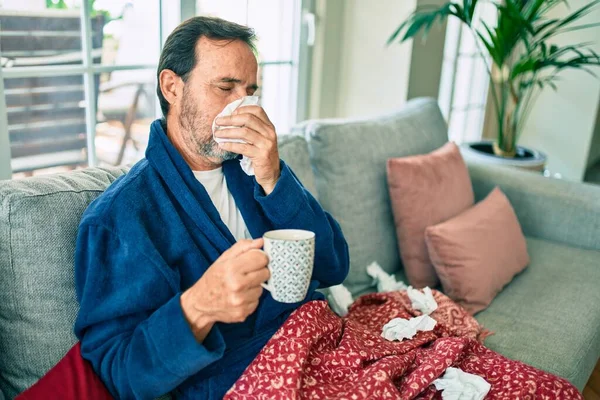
(482,151)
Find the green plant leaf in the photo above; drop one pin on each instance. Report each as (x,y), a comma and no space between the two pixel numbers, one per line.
(545,25)
(489,44)
(579,27)
(531,12)
(421,20)
(517,41)
(576,15)
(577,56)
(419,11)
(468,10)
(534,10)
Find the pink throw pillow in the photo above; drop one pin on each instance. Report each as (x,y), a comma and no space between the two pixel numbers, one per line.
(478,252)
(426,190)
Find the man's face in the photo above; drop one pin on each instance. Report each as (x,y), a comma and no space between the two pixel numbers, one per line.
(225,71)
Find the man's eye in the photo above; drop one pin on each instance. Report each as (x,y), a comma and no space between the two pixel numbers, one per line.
(225,89)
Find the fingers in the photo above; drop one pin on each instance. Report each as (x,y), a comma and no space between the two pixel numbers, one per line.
(240,313)
(249,121)
(257,111)
(241,297)
(261,147)
(252,260)
(243,246)
(247,309)
(244,133)
(243,303)
(254,294)
(247,150)
(255,278)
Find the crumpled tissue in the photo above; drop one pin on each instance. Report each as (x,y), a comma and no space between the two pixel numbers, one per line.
(385,282)
(422,301)
(245,162)
(339,299)
(400,328)
(459,385)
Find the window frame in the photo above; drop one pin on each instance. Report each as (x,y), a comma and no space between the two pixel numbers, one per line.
(456,51)
(87,69)
(300,64)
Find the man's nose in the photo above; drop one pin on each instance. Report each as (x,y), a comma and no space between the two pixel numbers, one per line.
(240,92)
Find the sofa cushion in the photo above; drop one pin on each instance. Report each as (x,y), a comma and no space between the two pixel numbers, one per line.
(548,315)
(38,226)
(293,149)
(425,190)
(349,161)
(478,252)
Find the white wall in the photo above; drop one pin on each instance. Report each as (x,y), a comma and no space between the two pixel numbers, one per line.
(326,54)
(427,59)
(562,123)
(355,74)
(373,76)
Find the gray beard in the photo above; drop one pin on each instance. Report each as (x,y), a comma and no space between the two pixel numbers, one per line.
(197,138)
(211,149)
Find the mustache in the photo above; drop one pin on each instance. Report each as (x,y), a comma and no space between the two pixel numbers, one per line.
(197,131)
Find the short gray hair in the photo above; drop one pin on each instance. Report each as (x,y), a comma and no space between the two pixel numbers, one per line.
(179,52)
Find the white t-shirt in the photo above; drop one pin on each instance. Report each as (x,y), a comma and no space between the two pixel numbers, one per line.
(215,184)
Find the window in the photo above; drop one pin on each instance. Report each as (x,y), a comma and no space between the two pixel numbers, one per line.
(74,87)
(79,75)
(464,82)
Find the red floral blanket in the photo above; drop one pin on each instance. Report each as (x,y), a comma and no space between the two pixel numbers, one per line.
(318,355)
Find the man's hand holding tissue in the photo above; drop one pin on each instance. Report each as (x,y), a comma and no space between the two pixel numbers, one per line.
(260,146)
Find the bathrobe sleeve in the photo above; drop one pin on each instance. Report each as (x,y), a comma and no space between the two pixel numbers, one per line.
(131,325)
(291,206)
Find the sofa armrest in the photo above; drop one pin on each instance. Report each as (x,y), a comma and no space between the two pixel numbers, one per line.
(551,209)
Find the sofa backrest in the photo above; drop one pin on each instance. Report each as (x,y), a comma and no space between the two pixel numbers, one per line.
(349,158)
(39,218)
(293,150)
(38,226)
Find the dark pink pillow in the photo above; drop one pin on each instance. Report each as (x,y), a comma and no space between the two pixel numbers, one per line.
(426,190)
(478,252)
(71,379)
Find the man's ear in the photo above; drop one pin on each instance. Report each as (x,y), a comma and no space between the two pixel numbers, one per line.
(171,85)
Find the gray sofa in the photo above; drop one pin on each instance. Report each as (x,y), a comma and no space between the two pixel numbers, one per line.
(549,316)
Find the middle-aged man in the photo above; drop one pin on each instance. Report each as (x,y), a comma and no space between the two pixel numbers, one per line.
(167,277)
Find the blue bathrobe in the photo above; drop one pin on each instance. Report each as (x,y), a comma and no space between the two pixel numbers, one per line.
(151,236)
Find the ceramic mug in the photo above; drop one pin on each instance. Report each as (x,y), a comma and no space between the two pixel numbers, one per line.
(291,258)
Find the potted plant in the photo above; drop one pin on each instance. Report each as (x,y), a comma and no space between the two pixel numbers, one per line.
(523,61)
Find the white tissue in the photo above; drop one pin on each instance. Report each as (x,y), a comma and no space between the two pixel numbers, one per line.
(246,163)
(228,110)
(339,299)
(400,328)
(424,301)
(385,282)
(460,385)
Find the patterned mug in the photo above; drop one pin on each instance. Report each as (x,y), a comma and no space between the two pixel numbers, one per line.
(291,258)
